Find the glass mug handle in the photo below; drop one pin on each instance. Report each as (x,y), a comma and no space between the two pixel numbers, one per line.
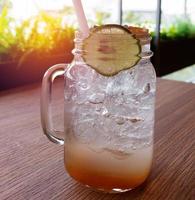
(46,92)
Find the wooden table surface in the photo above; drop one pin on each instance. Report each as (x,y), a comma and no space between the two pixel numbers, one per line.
(31,167)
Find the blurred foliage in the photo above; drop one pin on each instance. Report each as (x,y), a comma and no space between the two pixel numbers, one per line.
(131,17)
(50,34)
(5,3)
(7,36)
(101,17)
(138,19)
(68,10)
(180,29)
(43,33)
(183,28)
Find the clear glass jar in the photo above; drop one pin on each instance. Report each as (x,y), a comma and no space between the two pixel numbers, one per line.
(108,121)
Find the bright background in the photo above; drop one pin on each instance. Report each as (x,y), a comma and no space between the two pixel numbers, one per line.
(170,8)
(45,28)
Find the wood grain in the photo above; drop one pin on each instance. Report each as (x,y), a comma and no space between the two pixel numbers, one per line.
(31,168)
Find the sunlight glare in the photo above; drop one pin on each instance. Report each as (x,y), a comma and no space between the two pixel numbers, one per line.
(41,27)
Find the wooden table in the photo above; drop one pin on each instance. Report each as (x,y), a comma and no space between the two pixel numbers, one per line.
(31,167)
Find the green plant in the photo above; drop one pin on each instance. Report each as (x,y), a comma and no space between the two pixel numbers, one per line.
(181,28)
(43,33)
(7,37)
(131,17)
(101,17)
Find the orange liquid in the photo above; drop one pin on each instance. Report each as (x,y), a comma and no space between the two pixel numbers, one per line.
(107,170)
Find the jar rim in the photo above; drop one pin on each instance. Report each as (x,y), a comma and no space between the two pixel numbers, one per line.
(141,34)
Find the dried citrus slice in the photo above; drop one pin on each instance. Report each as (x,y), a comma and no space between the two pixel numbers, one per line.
(142,34)
(110,49)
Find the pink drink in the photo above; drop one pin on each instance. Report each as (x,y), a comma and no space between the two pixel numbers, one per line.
(108,169)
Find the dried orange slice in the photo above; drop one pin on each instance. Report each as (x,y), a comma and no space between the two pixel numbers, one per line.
(110,49)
